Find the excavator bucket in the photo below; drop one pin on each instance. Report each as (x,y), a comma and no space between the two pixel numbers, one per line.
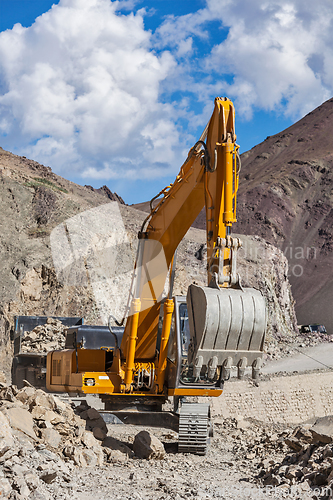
(227,327)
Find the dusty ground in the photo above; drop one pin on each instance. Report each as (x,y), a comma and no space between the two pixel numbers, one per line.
(218,475)
(247,459)
(231,470)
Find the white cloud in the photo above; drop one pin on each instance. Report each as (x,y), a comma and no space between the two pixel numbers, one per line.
(278,54)
(80,88)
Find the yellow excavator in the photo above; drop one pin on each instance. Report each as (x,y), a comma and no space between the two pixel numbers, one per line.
(176,347)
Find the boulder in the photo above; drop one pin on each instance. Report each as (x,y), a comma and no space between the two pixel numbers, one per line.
(322,430)
(6,436)
(24,394)
(40,398)
(5,488)
(293,443)
(38,495)
(98,422)
(146,445)
(20,419)
(48,455)
(59,405)
(2,378)
(51,437)
(21,486)
(93,418)
(89,457)
(115,456)
(88,440)
(113,444)
(40,413)
(32,480)
(48,476)
(99,434)
(93,414)
(76,455)
(7,393)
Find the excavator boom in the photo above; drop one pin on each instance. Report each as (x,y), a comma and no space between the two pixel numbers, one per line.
(232,323)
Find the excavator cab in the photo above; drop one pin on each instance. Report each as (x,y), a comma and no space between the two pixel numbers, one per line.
(182,374)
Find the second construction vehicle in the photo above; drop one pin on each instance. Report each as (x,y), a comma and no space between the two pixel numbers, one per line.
(177,346)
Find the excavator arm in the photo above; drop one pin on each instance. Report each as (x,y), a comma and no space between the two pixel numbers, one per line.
(208,177)
(226,322)
(217,326)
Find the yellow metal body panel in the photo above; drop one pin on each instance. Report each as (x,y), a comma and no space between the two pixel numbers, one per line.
(92,360)
(104,383)
(162,364)
(60,375)
(131,344)
(195,392)
(66,371)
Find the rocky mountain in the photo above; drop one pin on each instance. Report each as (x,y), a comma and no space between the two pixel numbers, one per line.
(286,197)
(68,250)
(33,202)
(106,192)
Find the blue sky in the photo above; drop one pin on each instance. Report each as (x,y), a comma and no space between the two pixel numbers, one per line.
(116,93)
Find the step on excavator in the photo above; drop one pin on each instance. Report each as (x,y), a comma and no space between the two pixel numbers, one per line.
(176,347)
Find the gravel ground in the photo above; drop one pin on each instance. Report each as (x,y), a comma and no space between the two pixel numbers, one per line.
(229,470)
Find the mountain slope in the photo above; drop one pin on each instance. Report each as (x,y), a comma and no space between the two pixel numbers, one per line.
(286,196)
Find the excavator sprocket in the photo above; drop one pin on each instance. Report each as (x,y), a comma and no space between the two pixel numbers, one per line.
(194,424)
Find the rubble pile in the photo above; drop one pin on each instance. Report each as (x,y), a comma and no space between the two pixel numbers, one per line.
(45,338)
(311,339)
(277,349)
(43,440)
(251,440)
(281,458)
(310,460)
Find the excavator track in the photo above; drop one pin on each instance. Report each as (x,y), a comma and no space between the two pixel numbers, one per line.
(194,423)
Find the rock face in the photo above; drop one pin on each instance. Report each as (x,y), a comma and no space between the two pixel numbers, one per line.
(104,190)
(35,201)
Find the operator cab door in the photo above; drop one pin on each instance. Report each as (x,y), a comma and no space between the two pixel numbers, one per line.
(181,374)
(174,348)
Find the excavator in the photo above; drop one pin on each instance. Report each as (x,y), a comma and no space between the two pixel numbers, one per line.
(176,347)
